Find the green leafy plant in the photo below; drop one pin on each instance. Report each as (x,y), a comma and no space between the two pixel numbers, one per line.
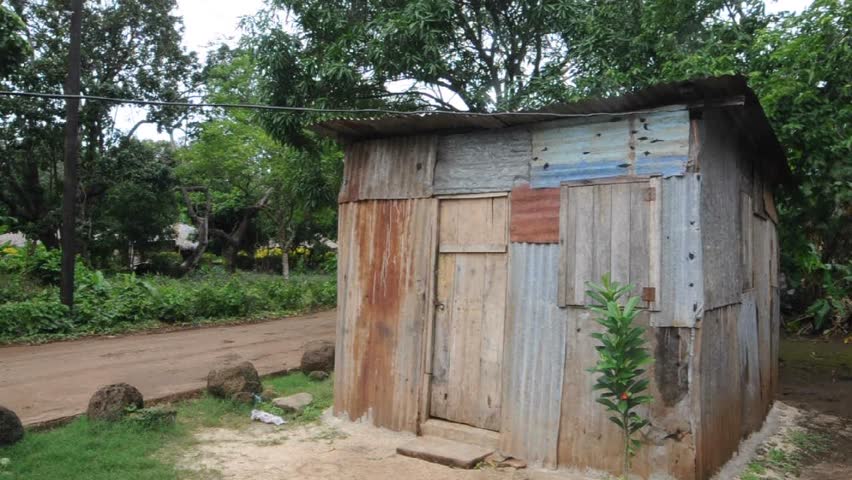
(622,355)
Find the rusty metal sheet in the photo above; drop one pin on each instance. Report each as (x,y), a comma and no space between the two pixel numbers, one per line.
(535,214)
(389,168)
(652,143)
(669,451)
(482,161)
(535,356)
(385,264)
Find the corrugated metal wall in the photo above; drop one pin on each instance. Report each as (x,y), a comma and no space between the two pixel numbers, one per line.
(653,143)
(482,161)
(534,356)
(385,268)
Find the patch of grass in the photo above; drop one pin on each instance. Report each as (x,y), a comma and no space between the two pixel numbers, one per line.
(130,450)
(322,391)
(87,450)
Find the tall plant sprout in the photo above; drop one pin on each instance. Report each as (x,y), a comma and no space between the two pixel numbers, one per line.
(622,355)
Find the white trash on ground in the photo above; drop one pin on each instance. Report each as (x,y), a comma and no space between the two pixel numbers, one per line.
(267,417)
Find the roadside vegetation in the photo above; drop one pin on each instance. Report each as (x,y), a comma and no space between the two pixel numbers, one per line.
(111,303)
(128,450)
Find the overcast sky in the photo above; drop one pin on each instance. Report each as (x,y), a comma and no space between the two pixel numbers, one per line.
(213,21)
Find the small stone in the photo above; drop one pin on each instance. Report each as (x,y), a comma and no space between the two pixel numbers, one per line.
(11,429)
(294,403)
(227,382)
(268,395)
(515,463)
(243,397)
(318,375)
(110,402)
(319,355)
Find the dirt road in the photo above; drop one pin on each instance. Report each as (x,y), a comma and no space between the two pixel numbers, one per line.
(47,382)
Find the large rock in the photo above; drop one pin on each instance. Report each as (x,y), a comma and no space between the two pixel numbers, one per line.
(11,429)
(294,403)
(318,356)
(110,402)
(234,382)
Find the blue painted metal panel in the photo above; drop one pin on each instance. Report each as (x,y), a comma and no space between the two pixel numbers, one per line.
(649,144)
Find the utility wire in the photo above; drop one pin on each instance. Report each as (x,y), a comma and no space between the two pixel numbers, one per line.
(61,96)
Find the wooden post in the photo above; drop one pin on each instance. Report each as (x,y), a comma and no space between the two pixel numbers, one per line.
(72,154)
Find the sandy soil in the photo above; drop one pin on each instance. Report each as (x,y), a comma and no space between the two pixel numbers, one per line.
(330,450)
(46,382)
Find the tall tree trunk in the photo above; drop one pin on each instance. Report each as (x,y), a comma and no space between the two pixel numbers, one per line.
(285,264)
(201,221)
(72,154)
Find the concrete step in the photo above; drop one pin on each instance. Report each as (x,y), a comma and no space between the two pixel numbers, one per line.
(445,452)
(460,433)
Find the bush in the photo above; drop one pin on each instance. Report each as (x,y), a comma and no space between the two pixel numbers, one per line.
(165,263)
(125,302)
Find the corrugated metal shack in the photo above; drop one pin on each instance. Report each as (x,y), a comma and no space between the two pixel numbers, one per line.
(465,242)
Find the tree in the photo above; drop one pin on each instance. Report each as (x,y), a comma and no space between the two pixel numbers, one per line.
(244,170)
(129,49)
(14,47)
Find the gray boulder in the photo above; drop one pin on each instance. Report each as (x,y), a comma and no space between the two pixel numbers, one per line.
(11,429)
(234,382)
(318,356)
(110,402)
(294,403)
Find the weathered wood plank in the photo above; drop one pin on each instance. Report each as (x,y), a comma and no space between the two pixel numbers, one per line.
(746,244)
(473,248)
(389,168)
(681,276)
(482,161)
(720,218)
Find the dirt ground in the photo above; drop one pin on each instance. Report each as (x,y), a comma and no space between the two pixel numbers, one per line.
(330,450)
(46,382)
(815,401)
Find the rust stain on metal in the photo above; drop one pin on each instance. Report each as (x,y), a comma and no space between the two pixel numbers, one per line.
(389,168)
(649,294)
(631,144)
(535,215)
(382,308)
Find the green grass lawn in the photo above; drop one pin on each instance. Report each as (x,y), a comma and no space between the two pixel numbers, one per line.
(87,450)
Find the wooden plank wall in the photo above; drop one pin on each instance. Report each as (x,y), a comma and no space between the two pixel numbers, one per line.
(737,348)
(534,356)
(682,277)
(588,439)
(471,293)
(609,228)
(384,283)
(389,168)
(653,143)
(482,161)
(720,207)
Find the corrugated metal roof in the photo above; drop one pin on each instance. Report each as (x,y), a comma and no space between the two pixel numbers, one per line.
(750,119)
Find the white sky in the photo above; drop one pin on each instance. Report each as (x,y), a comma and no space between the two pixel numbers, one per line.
(209,22)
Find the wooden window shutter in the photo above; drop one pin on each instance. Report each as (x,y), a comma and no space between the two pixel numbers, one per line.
(610,228)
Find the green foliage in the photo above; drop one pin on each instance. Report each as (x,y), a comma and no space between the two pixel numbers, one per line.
(30,311)
(14,47)
(622,356)
(85,450)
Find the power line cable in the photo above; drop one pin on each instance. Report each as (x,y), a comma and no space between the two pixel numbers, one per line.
(62,96)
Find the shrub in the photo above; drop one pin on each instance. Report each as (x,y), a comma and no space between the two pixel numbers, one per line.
(623,355)
(37,316)
(165,263)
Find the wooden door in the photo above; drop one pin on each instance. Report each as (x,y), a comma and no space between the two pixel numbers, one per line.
(470,311)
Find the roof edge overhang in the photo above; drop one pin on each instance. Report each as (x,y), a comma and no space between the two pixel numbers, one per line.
(730,91)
